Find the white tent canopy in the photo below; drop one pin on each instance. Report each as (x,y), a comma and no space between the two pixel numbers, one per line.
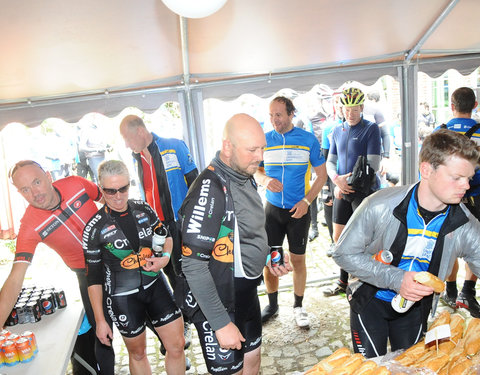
(65,59)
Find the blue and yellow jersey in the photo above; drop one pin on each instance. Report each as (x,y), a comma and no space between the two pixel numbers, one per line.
(289,158)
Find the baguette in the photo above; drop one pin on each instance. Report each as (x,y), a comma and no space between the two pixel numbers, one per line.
(366,368)
(446,346)
(459,366)
(472,337)
(441,319)
(349,366)
(316,370)
(412,353)
(326,365)
(426,278)
(435,362)
(424,358)
(458,351)
(382,370)
(457,326)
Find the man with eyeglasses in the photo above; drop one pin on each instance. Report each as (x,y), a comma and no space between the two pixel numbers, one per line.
(56,216)
(165,170)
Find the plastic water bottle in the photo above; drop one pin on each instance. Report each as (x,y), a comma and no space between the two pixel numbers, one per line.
(158,240)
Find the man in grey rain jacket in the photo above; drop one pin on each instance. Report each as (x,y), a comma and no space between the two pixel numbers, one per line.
(425,227)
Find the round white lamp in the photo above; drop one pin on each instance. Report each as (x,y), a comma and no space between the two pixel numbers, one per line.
(194,8)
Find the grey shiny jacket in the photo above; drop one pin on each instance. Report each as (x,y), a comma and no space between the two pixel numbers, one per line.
(373,227)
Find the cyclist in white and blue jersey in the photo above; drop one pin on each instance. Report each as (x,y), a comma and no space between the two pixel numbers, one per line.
(289,158)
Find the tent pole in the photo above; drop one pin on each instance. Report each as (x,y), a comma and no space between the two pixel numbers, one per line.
(189,120)
(408,92)
(430,30)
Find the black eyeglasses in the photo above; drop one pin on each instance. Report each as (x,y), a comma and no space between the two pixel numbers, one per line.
(123,189)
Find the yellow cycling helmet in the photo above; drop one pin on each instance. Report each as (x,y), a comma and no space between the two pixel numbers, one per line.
(352,97)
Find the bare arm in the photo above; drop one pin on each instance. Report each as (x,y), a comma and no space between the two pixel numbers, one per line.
(320,180)
(270,183)
(10,290)
(301,208)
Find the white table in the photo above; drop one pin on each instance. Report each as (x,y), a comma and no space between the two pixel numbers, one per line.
(56,335)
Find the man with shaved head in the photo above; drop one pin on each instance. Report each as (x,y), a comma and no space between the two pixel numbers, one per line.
(224,251)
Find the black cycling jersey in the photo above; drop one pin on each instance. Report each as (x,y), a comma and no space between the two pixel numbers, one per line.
(110,257)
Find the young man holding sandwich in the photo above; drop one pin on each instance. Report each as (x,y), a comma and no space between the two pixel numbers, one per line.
(425,227)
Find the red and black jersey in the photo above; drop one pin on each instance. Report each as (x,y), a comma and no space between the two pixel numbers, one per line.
(61,229)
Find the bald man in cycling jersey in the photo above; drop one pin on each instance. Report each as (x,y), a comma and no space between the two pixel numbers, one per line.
(225,250)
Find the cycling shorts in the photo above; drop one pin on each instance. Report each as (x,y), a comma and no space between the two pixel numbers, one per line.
(247,318)
(129,312)
(343,210)
(279,222)
(379,322)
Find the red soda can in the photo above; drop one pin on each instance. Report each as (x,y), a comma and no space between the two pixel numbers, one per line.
(276,254)
(383,256)
(60,298)
(10,354)
(31,336)
(12,319)
(24,349)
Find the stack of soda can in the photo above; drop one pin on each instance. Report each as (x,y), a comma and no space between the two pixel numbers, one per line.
(16,349)
(33,302)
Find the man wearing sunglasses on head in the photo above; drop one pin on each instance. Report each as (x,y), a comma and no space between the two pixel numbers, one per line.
(56,216)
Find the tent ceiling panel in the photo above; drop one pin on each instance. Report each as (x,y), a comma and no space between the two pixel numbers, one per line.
(54,47)
(272,35)
(459,30)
